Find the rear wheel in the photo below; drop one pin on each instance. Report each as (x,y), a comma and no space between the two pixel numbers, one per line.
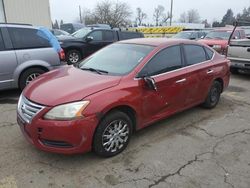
(113,134)
(28,76)
(73,57)
(213,97)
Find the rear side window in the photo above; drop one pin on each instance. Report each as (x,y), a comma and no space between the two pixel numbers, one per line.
(194,54)
(1,42)
(167,60)
(108,36)
(27,38)
(210,53)
(129,35)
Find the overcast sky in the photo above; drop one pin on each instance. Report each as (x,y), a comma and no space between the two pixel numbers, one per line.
(209,9)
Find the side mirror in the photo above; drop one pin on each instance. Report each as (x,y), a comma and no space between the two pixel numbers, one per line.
(235,37)
(89,39)
(150,83)
(202,37)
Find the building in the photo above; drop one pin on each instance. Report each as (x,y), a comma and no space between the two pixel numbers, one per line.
(35,12)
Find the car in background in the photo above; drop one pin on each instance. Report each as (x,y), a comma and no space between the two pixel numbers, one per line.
(120,89)
(59,33)
(71,27)
(88,40)
(218,38)
(239,54)
(191,35)
(26,52)
(247,31)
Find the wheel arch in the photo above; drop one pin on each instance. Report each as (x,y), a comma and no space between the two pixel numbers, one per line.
(220,80)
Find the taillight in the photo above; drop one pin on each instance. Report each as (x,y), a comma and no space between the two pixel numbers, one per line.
(61,55)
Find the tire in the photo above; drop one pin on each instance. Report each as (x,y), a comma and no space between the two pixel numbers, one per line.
(28,76)
(234,70)
(213,97)
(106,134)
(73,57)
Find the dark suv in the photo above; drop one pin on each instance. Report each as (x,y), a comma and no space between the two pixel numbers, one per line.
(88,40)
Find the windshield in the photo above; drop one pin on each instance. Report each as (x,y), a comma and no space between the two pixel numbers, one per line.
(81,33)
(183,35)
(117,59)
(219,35)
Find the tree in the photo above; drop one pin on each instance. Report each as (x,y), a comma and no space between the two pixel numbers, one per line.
(228,18)
(140,16)
(193,16)
(183,17)
(116,14)
(61,22)
(216,24)
(158,14)
(205,22)
(55,25)
(245,16)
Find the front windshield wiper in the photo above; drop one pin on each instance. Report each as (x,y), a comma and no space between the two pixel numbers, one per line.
(94,70)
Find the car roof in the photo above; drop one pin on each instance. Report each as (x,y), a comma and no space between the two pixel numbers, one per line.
(228,29)
(158,41)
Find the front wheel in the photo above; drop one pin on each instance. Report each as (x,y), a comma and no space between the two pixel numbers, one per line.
(113,134)
(213,97)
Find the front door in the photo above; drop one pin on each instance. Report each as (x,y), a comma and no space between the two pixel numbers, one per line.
(96,44)
(166,68)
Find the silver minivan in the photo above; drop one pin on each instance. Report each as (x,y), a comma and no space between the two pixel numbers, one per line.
(25,53)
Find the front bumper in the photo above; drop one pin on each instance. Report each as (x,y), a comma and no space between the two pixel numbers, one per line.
(65,137)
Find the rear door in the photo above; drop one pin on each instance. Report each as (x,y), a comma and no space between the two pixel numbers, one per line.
(8,62)
(166,69)
(200,73)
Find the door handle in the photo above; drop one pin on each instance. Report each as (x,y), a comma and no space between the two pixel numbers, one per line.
(210,71)
(182,80)
(248,49)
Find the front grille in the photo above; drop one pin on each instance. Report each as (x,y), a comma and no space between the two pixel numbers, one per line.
(27,109)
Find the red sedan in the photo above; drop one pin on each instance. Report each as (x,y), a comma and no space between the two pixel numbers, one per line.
(118,90)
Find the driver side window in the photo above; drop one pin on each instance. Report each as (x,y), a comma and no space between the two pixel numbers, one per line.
(97,35)
(166,60)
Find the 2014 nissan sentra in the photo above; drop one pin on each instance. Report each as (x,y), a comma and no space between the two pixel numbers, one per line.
(120,89)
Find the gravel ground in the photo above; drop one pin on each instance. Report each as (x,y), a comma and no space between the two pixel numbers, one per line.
(196,148)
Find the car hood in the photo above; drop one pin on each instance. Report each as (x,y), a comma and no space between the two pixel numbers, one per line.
(67,84)
(211,42)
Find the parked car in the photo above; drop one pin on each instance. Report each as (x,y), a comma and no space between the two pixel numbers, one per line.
(122,88)
(239,54)
(59,33)
(88,40)
(71,27)
(25,54)
(191,35)
(247,31)
(218,39)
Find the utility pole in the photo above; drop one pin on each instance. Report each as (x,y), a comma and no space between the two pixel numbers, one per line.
(171,13)
(80,13)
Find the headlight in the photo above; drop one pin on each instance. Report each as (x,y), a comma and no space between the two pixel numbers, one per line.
(67,111)
(217,46)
